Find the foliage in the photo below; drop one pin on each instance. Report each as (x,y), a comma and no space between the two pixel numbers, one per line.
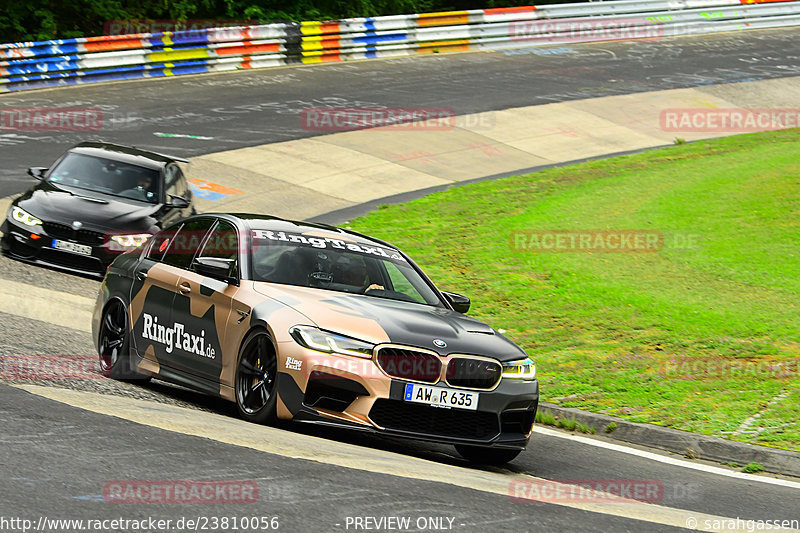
(37,20)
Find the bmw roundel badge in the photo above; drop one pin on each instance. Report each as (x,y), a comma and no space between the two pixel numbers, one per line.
(439,343)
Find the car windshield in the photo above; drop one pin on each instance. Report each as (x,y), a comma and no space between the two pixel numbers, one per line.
(107,176)
(338,265)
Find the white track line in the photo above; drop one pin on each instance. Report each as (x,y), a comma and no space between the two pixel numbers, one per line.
(666,459)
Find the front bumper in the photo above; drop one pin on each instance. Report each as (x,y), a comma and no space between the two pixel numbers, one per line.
(37,246)
(336,390)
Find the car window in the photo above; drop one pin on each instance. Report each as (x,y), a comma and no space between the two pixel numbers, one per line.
(223,243)
(159,243)
(401,283)
(107,176)
(337,265)
(186,242)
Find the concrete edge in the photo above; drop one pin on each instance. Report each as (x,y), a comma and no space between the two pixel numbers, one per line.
(347,214)
(691,445)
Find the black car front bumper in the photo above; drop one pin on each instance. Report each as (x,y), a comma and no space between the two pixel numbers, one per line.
(37,245)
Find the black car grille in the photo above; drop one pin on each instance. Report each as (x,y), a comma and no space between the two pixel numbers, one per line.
(410,364)
(473,373)
(59,231)
(65,232)
(69,260)
(434,421)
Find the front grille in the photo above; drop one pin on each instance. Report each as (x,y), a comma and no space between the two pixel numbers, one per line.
(473,373)
(59,231)
(69,260)
(92,238)
(434,421)
(410,364)
(65,232)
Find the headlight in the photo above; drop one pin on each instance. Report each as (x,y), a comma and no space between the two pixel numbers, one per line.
(131,241)
(327,342)
(522,369)
(22,216)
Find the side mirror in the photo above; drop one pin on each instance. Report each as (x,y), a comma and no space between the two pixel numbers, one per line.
(178,202)
(460,303)
(217,268)
(37,172)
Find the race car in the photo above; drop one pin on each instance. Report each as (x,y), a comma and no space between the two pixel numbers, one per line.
(314,323)
(95,202)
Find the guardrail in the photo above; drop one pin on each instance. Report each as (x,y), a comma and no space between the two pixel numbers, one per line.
(53,63)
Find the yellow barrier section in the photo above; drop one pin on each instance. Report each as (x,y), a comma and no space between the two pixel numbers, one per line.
(443,18)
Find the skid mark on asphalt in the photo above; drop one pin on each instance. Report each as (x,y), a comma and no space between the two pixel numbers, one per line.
(299,446)
(55,307)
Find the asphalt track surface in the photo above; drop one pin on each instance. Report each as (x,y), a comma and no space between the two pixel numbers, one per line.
(55,459)
(234,110)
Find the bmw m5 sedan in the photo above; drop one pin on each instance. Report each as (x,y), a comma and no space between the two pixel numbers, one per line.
(314,323)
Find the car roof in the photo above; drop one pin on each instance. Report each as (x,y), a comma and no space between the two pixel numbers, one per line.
(272,223)
(127,154)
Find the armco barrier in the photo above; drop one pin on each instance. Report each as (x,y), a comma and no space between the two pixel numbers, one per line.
(92,59)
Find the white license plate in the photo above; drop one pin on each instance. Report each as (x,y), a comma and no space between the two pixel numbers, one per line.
(72,247)
(441,397)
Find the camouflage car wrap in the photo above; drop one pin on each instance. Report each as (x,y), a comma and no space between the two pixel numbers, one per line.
(189,328)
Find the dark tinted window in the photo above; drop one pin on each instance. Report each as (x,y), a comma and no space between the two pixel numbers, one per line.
(186,242)
(223,242)
(330,263)
(159,243)
(107,176)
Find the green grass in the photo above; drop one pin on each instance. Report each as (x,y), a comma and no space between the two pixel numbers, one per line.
(699,336)
(752,468)
(569,424)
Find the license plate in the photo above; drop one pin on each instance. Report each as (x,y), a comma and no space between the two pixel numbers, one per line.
(441,397)
(72,247)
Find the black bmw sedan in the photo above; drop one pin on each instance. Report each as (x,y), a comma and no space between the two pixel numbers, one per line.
(95,202)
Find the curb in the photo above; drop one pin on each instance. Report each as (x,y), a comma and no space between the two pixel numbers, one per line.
(692,445)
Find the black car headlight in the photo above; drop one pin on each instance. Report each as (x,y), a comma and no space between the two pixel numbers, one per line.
(329,342)
(23,217)
(523,369)
(128,240)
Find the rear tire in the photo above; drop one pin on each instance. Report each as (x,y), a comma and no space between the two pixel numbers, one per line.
(256,375)
(114,345)
(486,456)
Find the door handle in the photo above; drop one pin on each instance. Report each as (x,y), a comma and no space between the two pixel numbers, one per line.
(184,288)
(141,275)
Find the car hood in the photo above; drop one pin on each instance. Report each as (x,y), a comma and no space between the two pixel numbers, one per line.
(381,320)
(94,210)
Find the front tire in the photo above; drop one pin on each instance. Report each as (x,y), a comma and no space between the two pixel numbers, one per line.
(486,456)
(256,375)
(114,344)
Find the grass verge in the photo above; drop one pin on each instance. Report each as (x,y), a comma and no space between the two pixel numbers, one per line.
(700,333)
